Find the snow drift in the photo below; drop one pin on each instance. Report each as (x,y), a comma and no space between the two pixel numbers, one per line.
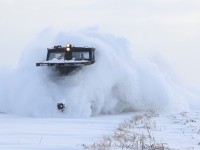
(116,83)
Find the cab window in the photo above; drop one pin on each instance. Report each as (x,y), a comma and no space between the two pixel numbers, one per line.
(80,55)
(56,55)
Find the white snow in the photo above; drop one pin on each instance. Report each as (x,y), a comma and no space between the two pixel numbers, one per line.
(64,61)
(54,133)
(168,131)
(178,131)
(118,82)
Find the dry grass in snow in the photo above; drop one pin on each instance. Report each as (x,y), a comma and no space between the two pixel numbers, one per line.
(151,131)
(132,134)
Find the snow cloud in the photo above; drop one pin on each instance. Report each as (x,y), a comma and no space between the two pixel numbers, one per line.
(116,83)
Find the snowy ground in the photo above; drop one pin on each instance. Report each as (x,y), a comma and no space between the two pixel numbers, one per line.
(177,131)
(54,133)
(180,130)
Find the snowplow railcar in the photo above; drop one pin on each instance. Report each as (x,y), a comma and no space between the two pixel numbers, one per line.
(69,58)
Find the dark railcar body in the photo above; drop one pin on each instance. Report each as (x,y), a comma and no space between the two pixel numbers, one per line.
(69,58)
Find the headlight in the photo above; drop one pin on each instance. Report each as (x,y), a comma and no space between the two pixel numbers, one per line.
(68,49)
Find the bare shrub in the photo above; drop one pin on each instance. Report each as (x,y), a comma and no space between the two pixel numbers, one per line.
(127,137)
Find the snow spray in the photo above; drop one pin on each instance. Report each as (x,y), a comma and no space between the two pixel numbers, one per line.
(118,82)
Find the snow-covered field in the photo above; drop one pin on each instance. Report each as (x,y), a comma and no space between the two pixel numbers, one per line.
(177,131)
(149,130)
(54,133)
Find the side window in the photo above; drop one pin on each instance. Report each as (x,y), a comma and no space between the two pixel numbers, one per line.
(55,55)
(86,55)
(76,55)
(92,54)
(80,55)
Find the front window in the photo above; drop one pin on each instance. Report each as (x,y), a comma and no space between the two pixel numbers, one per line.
(80,55)
(56,55)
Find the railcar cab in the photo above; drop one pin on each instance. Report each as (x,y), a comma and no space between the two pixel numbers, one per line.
(68,58)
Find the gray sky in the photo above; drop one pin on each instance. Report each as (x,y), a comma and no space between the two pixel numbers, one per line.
(168,27)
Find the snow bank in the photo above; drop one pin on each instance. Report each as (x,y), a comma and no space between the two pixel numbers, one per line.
(116,83)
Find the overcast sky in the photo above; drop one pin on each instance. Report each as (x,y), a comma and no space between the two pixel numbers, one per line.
(168,27)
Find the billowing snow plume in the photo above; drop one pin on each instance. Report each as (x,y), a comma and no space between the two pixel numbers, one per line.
(116,83)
